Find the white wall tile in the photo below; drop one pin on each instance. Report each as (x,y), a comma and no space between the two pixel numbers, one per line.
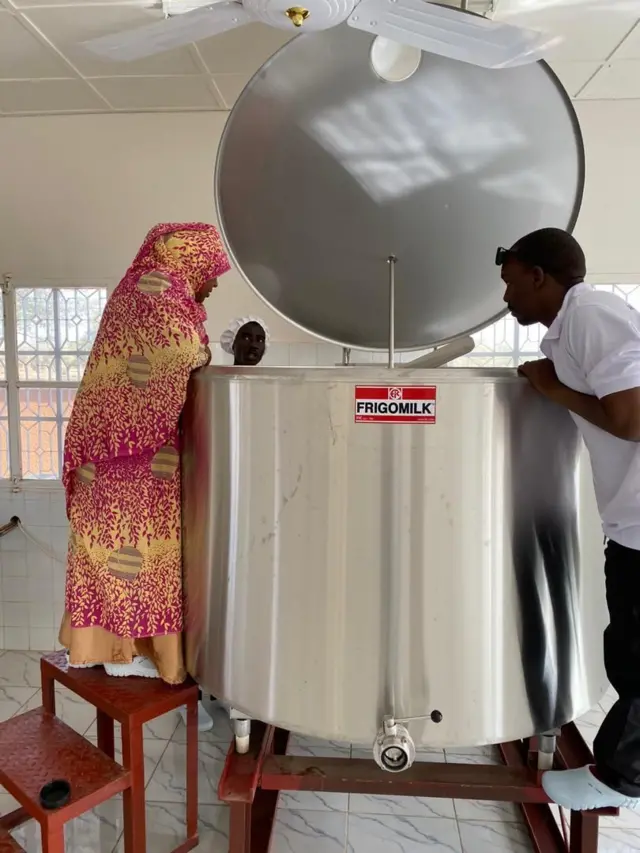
(39,566)
(36,511)
(40,588)
(16,639)
(59,541)
(14,589)
(277,355)
(41,639)
(41,614)
(328,354)
(16,615)
(13,564)
(13,541)
(303,355)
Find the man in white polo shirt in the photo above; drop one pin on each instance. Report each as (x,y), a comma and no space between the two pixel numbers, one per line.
(592,368)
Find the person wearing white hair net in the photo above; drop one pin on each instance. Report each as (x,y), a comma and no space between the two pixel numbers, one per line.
(246,340)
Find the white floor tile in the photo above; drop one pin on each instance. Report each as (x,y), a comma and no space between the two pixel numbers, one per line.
(13,699)
(312,800)
(619,841)
(609,699)
(167,785)
(589,724)
(300,745)
(423,807)
(309,832)
(494,837)
(166,828)
(627,819)
(154,749)
(71,709)
(317,801)
(94,832)
(20,669)
(490,757)
(488,811)
(7,803)
(162,728)
(383,833)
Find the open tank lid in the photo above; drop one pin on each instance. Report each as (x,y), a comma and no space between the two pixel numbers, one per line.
(325,169)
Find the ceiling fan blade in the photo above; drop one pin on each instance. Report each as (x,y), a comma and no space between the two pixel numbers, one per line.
(448,32)
(169,33)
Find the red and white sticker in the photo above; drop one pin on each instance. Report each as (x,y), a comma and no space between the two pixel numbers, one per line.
(402,404)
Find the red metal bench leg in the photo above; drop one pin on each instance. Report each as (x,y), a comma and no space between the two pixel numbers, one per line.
(584,833)
(48,684)
(192,769)
(240,828)
(52,839)
(134,805)
(105,733)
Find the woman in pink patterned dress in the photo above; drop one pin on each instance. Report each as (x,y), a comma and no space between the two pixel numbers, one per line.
(124,604)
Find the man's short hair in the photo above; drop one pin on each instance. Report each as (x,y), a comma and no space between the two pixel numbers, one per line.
(556,252)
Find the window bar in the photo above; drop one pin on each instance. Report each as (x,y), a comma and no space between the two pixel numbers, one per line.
(55,293)
(13,394)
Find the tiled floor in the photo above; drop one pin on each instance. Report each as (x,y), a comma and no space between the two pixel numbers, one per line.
(307,822)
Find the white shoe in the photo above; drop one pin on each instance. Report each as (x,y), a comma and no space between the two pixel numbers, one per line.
(141,667)
(579,790)
(205,722)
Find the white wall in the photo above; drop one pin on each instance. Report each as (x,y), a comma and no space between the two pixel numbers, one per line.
(77,195)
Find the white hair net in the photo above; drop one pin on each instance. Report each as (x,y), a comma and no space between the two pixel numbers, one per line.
(227,338)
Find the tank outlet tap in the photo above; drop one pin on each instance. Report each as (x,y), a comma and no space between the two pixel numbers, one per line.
(297,15)
(393,748)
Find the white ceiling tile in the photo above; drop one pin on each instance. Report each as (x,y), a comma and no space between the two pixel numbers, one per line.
(242,51)
(140,93)
(23,55)
(587,34)
(36,4)
(615,80)
(66,27)
(230,86)
(574,75)
(48,96)
(630,47)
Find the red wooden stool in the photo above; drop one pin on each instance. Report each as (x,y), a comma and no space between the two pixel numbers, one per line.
(132,702)
(36,748)
(8,844)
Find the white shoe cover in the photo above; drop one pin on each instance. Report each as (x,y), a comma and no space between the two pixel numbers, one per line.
(579,790)
(141,667)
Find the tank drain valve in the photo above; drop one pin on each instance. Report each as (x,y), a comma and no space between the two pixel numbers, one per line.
(393,748)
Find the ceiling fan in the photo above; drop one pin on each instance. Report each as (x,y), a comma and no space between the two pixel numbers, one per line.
(418,24)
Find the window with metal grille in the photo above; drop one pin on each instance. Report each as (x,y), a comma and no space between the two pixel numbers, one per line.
(506,344)
(48,335)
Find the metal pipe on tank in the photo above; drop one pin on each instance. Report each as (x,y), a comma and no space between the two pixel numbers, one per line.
(391,260)
(444,354)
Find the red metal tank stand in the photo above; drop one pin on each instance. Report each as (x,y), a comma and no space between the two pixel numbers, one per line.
(250,784)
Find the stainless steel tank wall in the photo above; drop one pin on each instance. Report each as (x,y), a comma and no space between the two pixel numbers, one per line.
(338,571)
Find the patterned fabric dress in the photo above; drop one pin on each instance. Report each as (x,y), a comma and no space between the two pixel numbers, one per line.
(122,456)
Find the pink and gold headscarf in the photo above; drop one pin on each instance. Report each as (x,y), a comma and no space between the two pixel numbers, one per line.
(150,340)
